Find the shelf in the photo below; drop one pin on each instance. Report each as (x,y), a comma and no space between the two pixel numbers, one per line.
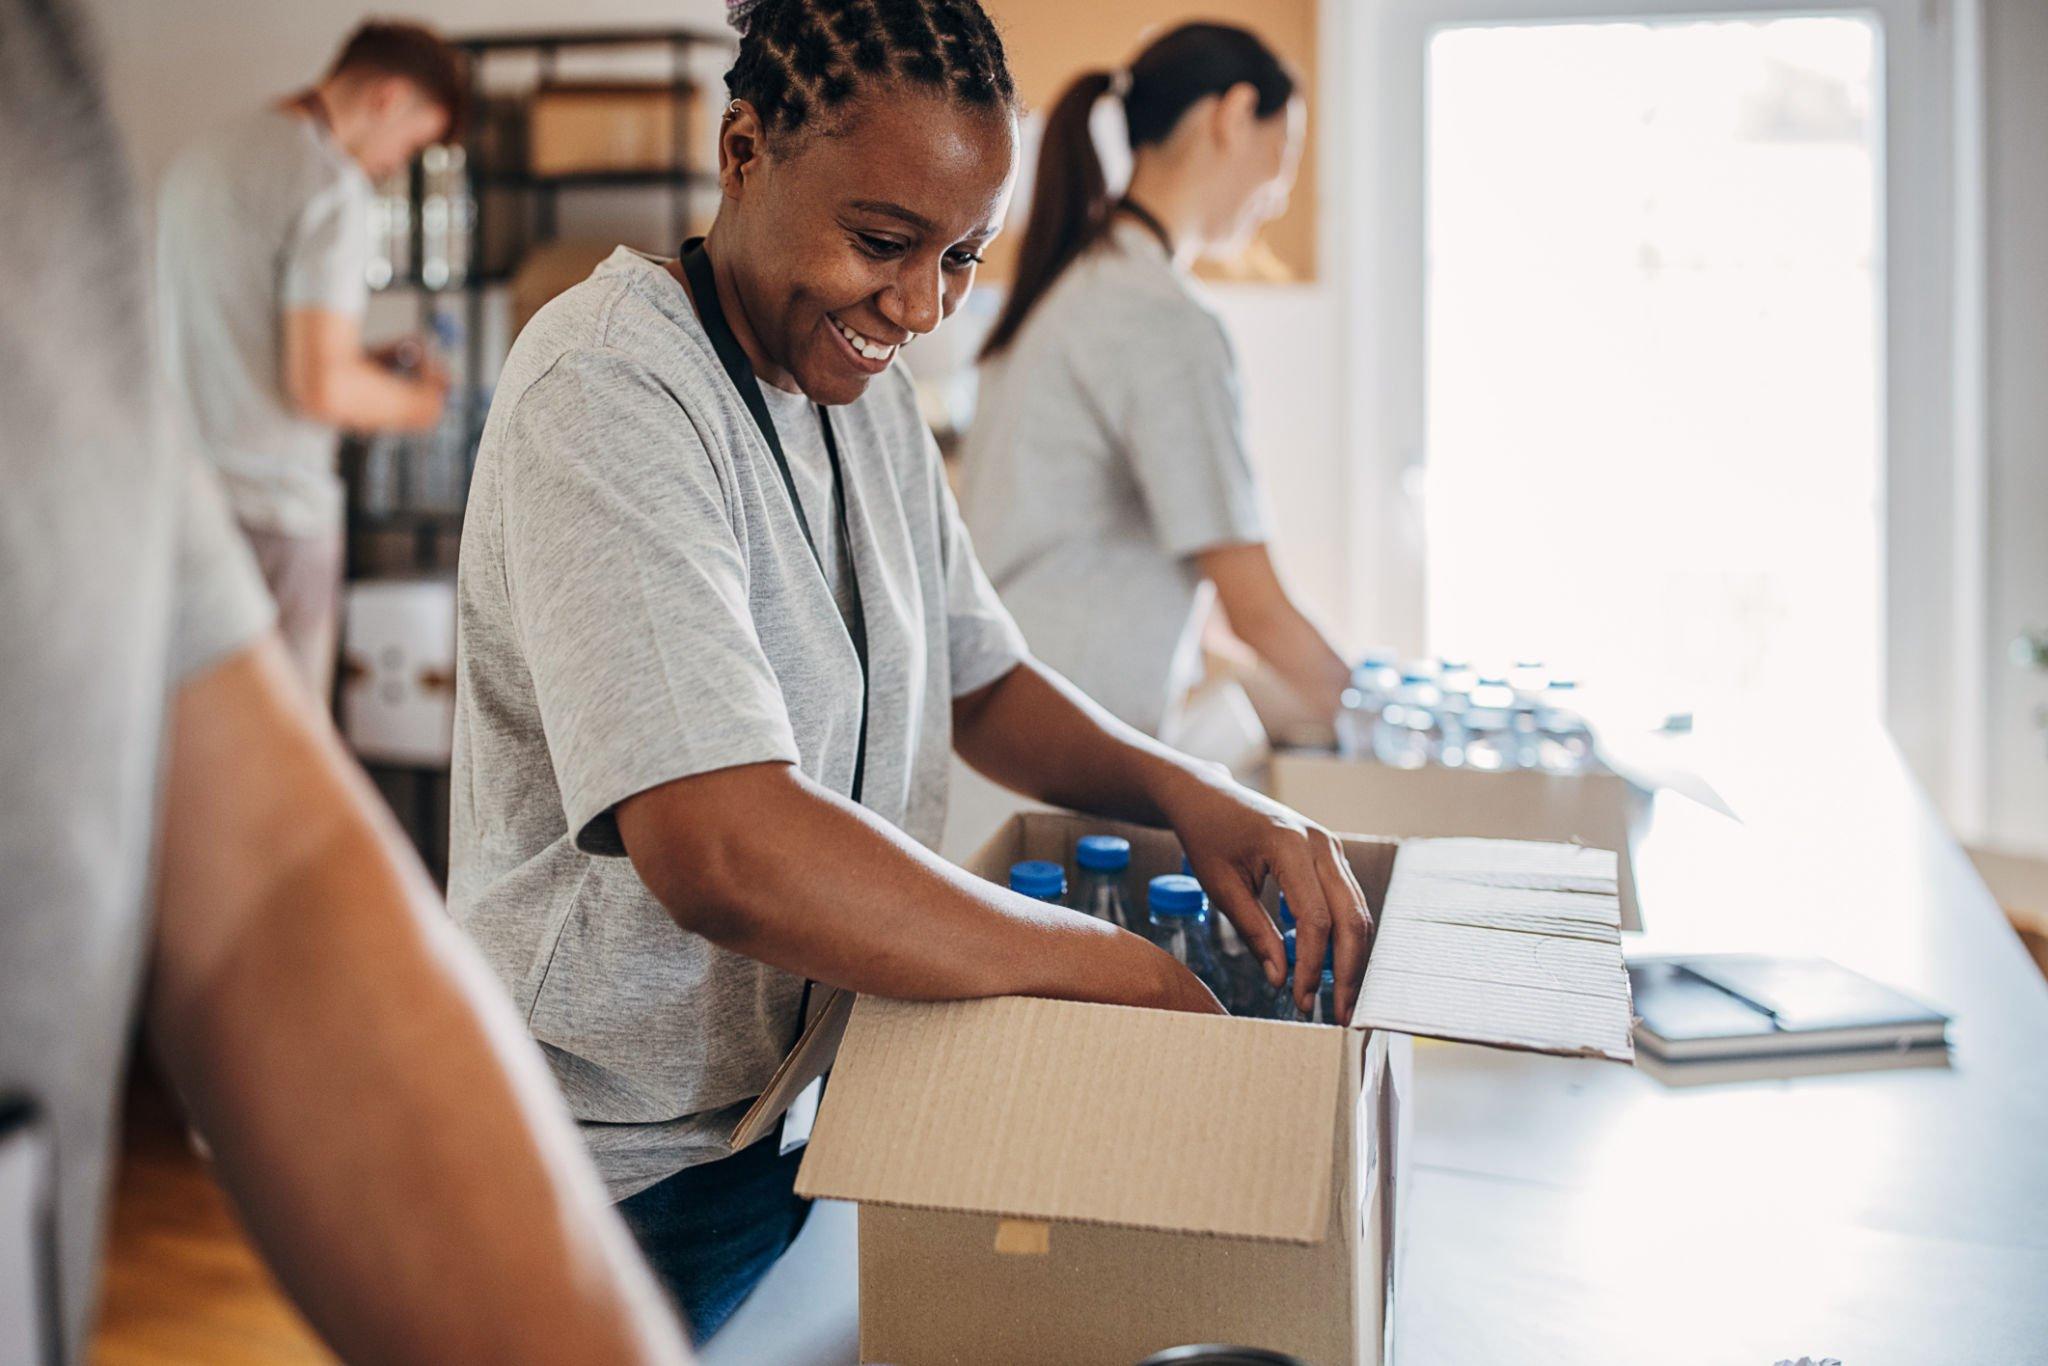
(480,280)
(660,176)
(621,37)
(404,519)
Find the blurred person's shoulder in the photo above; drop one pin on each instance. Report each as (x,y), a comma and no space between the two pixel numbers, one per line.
(1122,294)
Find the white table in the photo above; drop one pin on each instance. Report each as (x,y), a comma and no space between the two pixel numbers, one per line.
(1578,1212)
(1566,1211)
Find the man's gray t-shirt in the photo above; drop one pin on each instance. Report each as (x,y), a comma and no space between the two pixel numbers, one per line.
(259,217)
(120,575)
(636,604)
(1107,449)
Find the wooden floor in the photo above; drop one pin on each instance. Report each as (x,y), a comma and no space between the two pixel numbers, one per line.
(181,1283)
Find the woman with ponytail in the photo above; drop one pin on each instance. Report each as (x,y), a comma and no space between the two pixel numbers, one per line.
(719,628)
(1106,479)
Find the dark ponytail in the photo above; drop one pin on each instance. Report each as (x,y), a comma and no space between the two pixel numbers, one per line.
(1070,202)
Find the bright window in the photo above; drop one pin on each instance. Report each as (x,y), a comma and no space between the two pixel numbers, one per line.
(1654,354)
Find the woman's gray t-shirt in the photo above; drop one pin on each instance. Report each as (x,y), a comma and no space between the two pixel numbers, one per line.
(1106,451)
(637,604)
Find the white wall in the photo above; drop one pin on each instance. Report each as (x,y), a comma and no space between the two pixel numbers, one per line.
(175,67)
(2016,175)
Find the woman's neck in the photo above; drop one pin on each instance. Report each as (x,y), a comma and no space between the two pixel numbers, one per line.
(1171,196)
(733,304)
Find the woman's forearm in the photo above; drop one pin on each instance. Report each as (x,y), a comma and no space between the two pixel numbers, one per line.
(761,861)
(1295,649)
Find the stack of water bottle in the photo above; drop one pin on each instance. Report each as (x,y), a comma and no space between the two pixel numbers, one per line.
(1177,917)
(1446,713)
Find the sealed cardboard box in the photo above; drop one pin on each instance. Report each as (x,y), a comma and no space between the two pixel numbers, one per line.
(1054,1182)
(577,129)
(1595,809)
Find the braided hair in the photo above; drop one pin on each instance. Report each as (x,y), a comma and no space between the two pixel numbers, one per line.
(800,61)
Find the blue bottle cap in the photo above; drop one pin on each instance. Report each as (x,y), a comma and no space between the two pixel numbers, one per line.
(1036,877)
(1177,895)
(1103,853)
(1285,915)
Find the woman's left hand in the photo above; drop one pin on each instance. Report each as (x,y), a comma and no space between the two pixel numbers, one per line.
(1236,839)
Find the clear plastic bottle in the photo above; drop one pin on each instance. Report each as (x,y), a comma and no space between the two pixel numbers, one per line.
(1410,732)
(1325,1010)
(1454,673)
(1564,742)
(1529,678)
(1489,738)
(447,212)
(1179,916)
(1241,978)
(1102,870)
(1523,727)
(1040,879)
(1358,710)
(1455,679)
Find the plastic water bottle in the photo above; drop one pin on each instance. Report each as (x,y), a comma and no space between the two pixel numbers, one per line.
(1529,678)
(1358,709)
(1489,737)
(1179,916)
(1040,879)
(1564,742)
(1455,679)
(1455,674)
(1325,1009)
(1410,731)
(1523,726)
(1103,863)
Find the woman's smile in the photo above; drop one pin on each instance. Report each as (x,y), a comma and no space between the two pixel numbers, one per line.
(869,355)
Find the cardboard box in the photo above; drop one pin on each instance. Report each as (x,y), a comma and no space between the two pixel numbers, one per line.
(619,126)
(1053,1182)
(1599,810)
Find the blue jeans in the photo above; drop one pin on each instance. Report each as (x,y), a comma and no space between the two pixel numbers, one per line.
(712,1231)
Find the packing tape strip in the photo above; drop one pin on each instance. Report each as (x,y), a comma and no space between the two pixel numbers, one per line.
(1023,1237)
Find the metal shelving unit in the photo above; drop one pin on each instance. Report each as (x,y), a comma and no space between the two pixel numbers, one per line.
(514,211)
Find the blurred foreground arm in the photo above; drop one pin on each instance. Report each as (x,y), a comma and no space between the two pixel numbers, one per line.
(384,1123)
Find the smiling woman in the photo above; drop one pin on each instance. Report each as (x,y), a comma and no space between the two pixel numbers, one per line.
(720,627)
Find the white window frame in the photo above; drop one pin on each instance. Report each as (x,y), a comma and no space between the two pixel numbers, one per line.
(1931,326)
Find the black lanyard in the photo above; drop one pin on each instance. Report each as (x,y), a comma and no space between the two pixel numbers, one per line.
(704,289)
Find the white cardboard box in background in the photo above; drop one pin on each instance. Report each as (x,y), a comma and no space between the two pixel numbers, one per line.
(1054,1182)
(1598,810)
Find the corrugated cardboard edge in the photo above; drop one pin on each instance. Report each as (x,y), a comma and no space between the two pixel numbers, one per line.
(1450,890)
(805,1063)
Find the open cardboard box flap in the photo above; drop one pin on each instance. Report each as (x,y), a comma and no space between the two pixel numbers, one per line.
(1062,1111)
(1502,942)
